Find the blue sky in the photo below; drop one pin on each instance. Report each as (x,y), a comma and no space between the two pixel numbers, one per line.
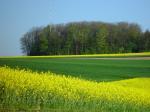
(19,16)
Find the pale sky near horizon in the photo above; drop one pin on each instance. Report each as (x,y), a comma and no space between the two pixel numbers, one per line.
(19,16)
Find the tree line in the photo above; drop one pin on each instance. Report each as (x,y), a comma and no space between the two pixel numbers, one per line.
(85,38)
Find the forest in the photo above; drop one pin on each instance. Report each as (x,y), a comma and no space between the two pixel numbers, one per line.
(85,38)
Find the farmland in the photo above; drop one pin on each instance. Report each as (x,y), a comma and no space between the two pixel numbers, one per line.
(84,66)
(82,83)
(26,90)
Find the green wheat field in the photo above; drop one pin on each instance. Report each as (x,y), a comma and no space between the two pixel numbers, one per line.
(82,83)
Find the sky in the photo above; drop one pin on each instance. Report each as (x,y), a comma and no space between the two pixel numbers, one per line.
(19,16)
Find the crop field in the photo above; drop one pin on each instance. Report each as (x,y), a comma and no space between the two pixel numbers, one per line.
(75,84)
(24,90)
(90,67)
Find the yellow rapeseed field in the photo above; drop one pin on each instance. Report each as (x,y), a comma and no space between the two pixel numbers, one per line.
(142,54)
(24,89)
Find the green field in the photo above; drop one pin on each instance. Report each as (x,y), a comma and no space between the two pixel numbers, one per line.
(87,68)
(76,83)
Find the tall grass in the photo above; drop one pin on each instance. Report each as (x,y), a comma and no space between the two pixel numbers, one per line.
(26,90)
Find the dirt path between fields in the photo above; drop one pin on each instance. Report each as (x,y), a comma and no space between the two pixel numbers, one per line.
(127,58)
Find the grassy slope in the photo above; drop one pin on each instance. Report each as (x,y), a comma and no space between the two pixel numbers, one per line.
(29,90)
(99,70)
